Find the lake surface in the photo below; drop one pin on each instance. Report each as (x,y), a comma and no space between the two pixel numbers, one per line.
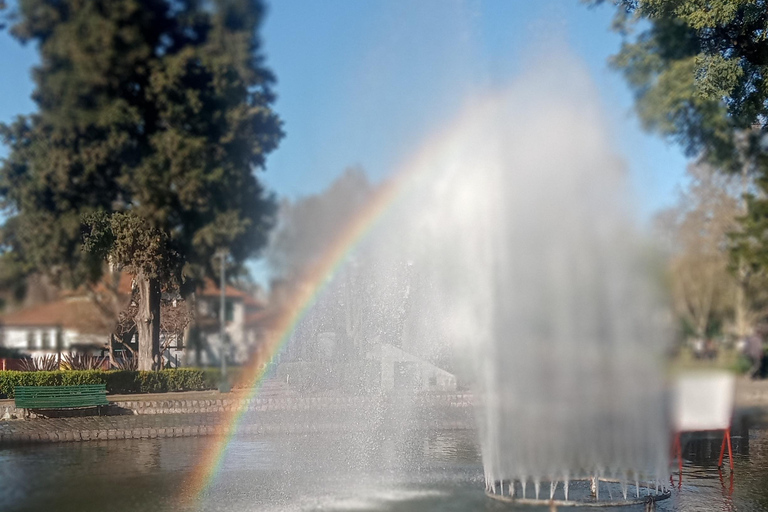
(412,471)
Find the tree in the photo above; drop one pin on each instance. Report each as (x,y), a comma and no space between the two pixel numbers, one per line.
(306,230)
(152,117)
(308,225)
(697,228)
(710,287)
(699,70)
(366,296)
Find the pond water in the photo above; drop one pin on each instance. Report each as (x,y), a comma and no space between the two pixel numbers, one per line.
(423,471)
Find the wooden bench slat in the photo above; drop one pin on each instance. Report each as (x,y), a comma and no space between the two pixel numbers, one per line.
(72,397)
(60,397)
(57,396)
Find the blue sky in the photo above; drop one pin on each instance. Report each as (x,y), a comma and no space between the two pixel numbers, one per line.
(364,82)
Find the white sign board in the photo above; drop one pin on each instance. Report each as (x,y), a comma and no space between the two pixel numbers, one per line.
(703,401)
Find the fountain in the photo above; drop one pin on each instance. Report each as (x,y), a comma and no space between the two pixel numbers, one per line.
(510,244)
(516,224)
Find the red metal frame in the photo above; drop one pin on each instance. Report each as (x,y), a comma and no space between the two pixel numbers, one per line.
(726,437)
(677,451)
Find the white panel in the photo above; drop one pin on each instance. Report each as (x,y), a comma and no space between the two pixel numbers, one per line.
(703,401)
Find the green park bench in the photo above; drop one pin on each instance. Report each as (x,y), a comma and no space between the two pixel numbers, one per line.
(60,397)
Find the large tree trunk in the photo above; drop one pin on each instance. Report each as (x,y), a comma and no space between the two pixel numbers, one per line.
(148,323)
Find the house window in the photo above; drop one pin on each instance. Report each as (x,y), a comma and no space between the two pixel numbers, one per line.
(30,339)
(229,311)
(46,340)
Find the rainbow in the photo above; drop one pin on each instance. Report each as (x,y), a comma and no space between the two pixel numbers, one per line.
(253,373)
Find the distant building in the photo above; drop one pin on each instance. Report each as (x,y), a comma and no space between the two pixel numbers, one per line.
(206,347)
(402,370)
(315,352)
(77,323)
(64,325)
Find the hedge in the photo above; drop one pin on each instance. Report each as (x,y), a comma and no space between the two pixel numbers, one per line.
(117,381)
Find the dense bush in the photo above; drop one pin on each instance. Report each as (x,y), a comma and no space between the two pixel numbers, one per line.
(117,381)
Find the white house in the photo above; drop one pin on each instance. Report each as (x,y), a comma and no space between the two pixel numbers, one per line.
(239,306)
(64,325)
(76,323)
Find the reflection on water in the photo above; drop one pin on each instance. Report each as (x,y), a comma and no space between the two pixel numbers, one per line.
(705,487)
(437,470)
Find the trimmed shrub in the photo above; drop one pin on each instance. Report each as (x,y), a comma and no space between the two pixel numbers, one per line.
(117,381)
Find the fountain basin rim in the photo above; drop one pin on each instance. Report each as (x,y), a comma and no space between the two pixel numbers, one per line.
(650,498)
(571,503)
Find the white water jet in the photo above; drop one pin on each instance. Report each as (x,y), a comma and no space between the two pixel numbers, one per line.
(511,245)
(519,228)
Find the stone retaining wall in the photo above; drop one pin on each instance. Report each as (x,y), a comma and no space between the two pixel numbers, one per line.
(97,432)
(94,434)
(197,406)
(183,418)
(290,403)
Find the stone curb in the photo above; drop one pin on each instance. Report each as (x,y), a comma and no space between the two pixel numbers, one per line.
(21,438)
(276,404)
(152,419)
(101,434)
(201,406)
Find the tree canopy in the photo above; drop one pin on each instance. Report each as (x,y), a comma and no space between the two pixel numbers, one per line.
(152,117)
(157,107)
(365,299)
(699,71)
(696,229)
(307,225)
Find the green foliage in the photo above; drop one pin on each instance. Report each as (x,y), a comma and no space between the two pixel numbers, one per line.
(134,243)
(749,242)
(117,381)
(152,117)
(699,70)
(742,365)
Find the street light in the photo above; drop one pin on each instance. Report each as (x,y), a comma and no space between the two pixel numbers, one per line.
(224,386)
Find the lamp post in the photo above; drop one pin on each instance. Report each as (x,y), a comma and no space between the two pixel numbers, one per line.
(224,386)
